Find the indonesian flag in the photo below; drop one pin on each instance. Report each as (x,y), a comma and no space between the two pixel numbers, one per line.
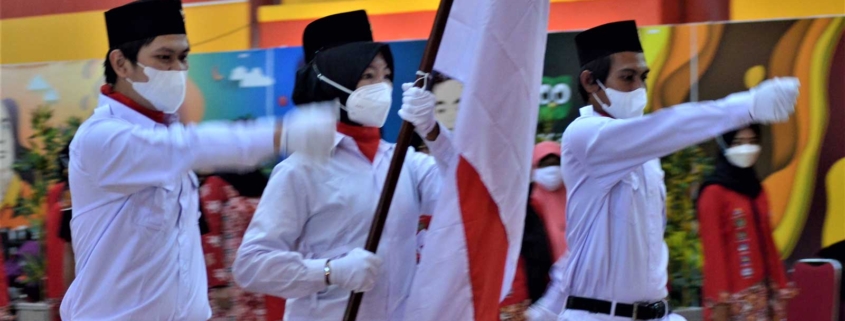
(496,48)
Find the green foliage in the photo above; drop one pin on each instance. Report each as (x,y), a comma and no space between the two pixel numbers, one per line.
(684,172)
(41,162)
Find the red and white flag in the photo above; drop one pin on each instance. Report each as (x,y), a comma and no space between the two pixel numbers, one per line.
(496,48)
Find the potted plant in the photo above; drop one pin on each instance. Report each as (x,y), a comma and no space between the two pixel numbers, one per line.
(40,163)
(684,172)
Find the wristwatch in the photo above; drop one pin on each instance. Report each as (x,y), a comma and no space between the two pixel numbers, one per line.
(328,271)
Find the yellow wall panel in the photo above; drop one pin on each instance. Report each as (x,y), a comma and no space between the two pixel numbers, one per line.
(73,36)
(778,9)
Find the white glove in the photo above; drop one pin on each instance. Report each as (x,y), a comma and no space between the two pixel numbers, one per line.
(310,129)
(418,109)
(539,313)
(356,272)
(774,100)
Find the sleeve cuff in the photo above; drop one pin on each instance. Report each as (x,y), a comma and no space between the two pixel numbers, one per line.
(314,270)
(738,106)
(441,146)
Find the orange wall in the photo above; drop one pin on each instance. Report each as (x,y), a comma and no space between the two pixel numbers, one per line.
(283,25)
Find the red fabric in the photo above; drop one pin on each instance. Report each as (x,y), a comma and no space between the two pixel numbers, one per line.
(367,138)
(731,243)
(602,113)
(4,286)
(818,290)
(228,215)
(275,308)
(550,205)
(212,200)
(55,246)
(486,238)
(155,115)
(519,289)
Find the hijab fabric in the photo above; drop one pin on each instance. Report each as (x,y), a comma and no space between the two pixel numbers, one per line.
(741,180)
(550,205)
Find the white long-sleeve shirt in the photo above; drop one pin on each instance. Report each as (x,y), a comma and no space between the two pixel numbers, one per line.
(136,208)
(616,197)
(310,213)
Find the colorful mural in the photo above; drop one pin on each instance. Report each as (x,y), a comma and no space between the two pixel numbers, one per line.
(804,165)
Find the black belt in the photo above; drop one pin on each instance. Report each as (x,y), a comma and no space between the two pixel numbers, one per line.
(637,311)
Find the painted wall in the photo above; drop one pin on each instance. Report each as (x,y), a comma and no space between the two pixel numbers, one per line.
(29,8)
(212,25)
(57,30)
(282,25)
(777,9)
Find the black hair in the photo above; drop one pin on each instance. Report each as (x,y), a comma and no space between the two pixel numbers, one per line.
(728,137)
(130,51)
(600,69)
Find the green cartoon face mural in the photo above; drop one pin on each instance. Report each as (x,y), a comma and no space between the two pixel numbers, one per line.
(555,98)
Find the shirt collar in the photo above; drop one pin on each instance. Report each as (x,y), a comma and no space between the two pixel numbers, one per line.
(340,140)
(124,112)
(587,111)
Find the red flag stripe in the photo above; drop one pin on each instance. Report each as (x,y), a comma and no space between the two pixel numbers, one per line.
(486,239)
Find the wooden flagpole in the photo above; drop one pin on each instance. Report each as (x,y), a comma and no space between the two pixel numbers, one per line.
(400,150)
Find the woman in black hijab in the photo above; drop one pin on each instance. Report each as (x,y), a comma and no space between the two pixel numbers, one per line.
(743,276)
(306,240)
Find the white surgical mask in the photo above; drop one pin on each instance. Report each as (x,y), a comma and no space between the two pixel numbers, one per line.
(368,105)
(743,156)
(549,177)
(623,104)
(165,89)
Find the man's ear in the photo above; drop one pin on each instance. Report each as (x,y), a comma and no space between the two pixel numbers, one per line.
(588,82)
(121,66)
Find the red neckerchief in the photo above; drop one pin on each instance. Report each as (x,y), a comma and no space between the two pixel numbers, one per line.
(367,138)
(602,113)
(155,115)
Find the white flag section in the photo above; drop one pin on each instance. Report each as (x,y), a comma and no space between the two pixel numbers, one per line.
(496,48)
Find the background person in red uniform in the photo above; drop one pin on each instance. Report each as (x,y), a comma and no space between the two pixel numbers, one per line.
(4,290)
(549,196)
(60,260)
(544,237)
(744,278)
(228,202)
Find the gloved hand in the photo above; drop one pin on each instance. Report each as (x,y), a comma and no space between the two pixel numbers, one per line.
(357,271)
(774,100)
(538,312)
(310,130)
(418,109)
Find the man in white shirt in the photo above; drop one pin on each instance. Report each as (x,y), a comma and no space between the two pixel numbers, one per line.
(135,216)
(616,267)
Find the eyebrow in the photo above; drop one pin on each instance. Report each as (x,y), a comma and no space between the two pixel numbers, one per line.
(170,50)
(634,70)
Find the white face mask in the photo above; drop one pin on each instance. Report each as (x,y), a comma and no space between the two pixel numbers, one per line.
(743,156)
(165,89)
(549,177)
(368,105)
(623,104)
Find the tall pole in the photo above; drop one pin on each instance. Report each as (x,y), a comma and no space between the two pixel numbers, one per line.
(400,150)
